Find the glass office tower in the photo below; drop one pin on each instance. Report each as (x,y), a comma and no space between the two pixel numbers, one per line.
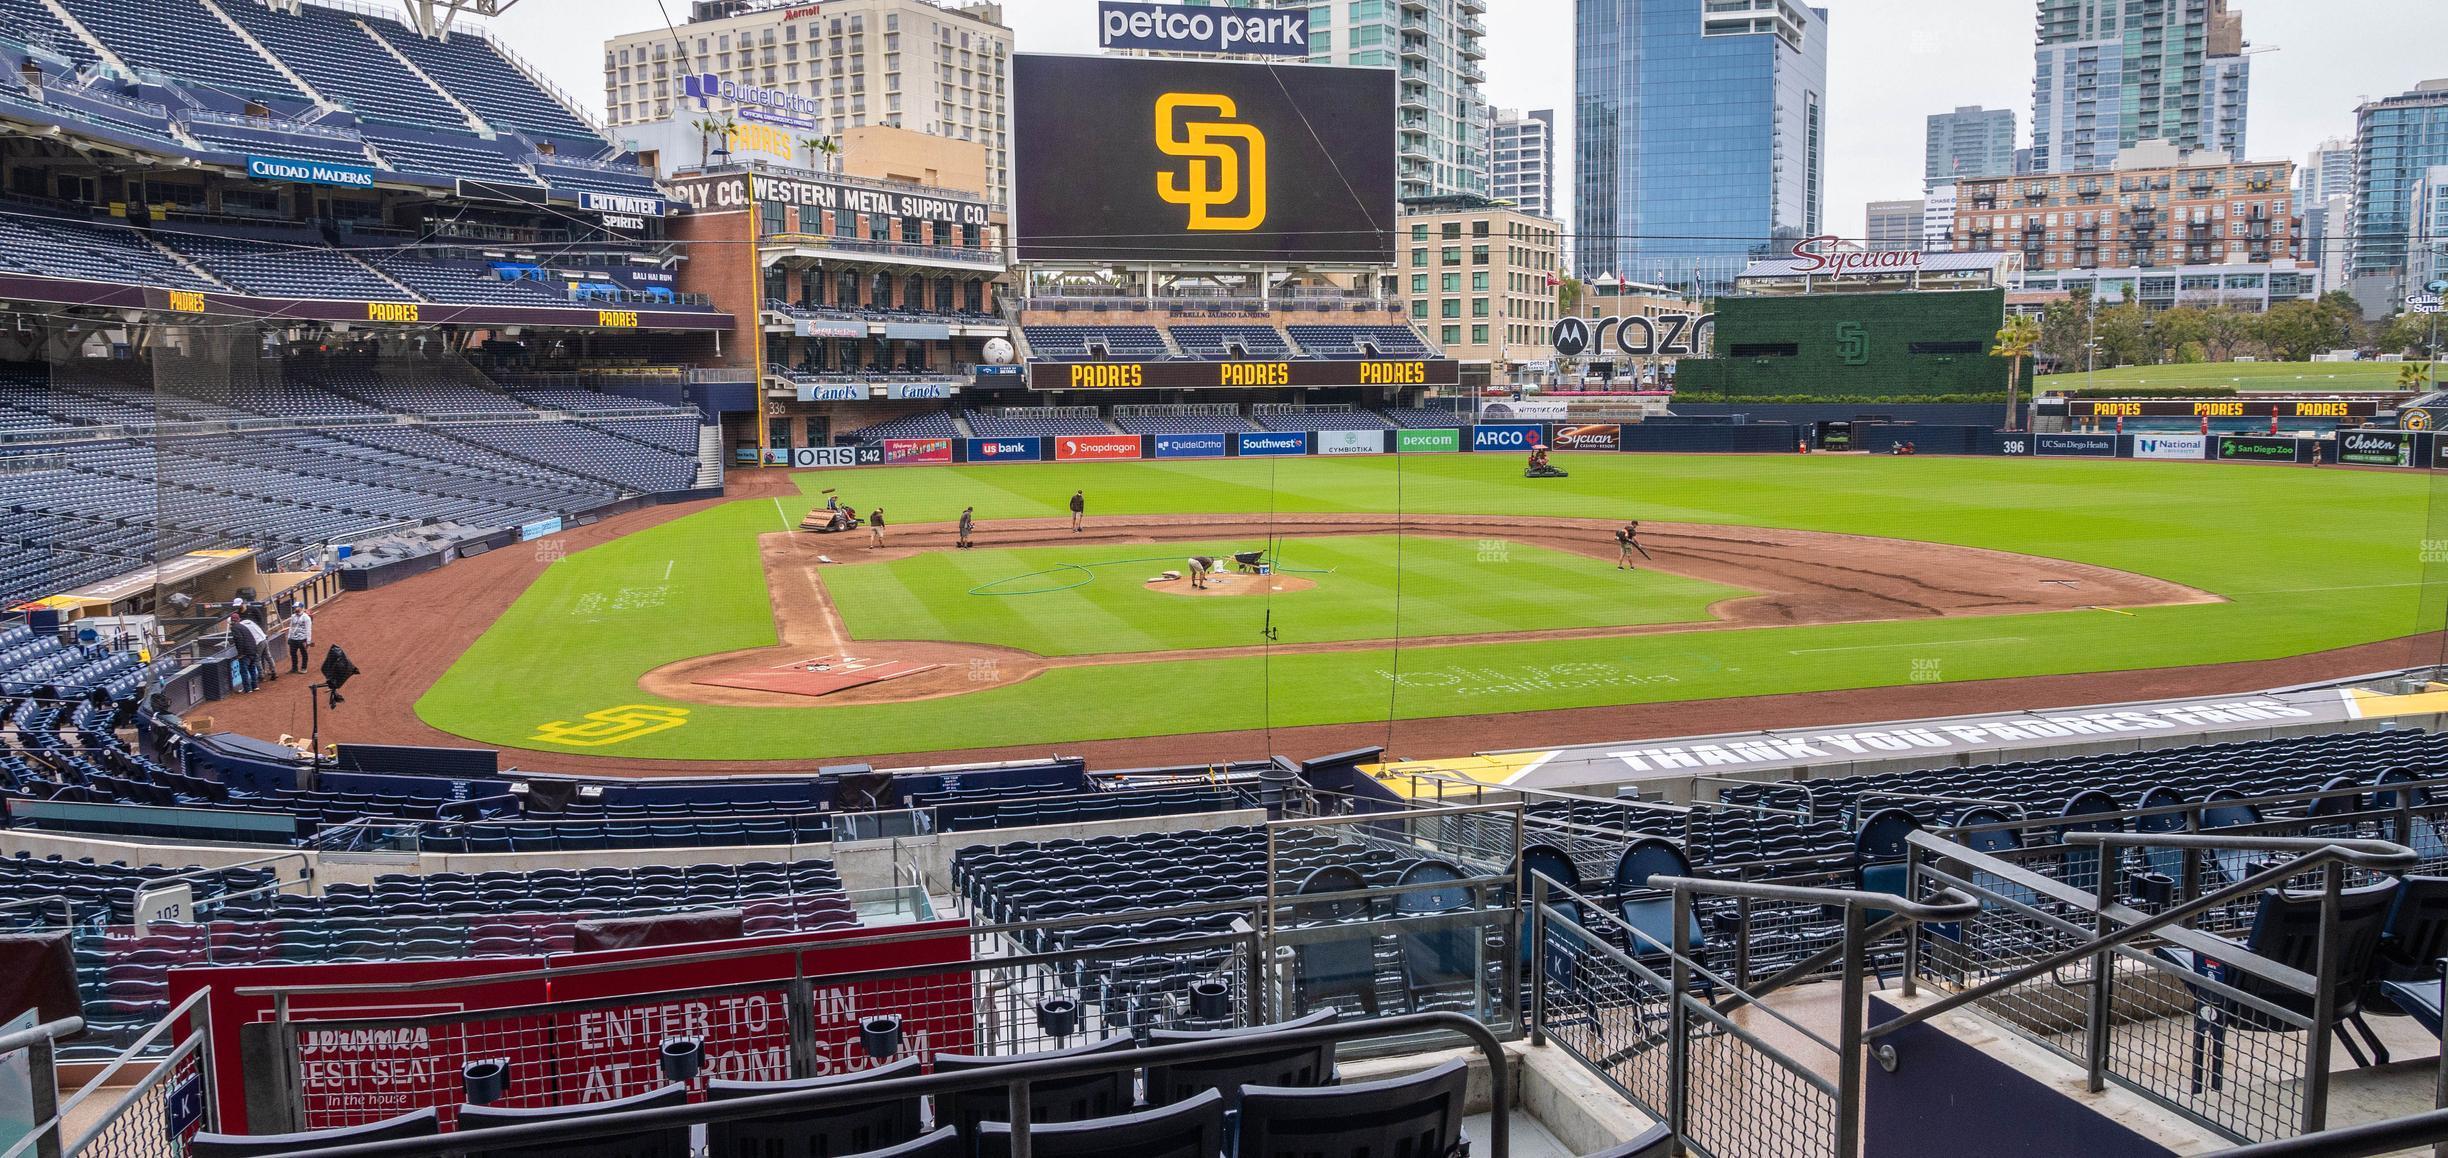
(1700,135)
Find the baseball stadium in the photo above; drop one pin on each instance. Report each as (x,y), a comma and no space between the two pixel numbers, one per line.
(534,640)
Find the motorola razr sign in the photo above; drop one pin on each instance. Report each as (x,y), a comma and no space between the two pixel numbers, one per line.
(1669,335)
(1167,159)
(1176,28)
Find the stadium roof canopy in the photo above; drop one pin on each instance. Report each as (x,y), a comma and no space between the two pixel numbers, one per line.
(431,17)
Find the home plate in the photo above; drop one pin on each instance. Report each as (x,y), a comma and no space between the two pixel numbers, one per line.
(821,676)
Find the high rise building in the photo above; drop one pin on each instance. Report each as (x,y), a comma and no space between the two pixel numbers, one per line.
(2324,195)
(1521,150)
(1699,135)
(1892,225)
(1441,120)
(1970,142)
(2427,215)
(2327,171)
(2397,141)
(822,70)
(1500,308)
(1938,219)
(2109,74)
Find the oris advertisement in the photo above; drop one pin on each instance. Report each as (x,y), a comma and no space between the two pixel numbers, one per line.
(1596,436)
(1006,450)
(815,456)
(2376,448)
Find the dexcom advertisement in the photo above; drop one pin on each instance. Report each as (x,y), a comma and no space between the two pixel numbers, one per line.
(1133,159)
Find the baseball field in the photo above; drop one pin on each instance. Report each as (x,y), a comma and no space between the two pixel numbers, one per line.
(1411,588)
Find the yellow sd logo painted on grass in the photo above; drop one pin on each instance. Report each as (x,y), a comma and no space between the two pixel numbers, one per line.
(612,726)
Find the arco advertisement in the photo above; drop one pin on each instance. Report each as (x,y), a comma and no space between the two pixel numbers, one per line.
(1427,441)
(1006,450)
(1096,447)
(1508,436)
(1350,441)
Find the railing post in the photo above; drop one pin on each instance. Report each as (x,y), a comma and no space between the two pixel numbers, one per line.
(42,1061)
(199,1028)
(1855,1013)
(1742,942)
(1911,983)
(1678,1019)
(1019,1110)
(1537,958)
(2103,968)
(2324,1002)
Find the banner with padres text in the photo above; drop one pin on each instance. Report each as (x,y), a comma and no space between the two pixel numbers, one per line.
(1147,159)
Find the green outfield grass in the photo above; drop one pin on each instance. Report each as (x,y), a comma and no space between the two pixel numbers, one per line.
(2317,377)
(1094,600)
(2308,560)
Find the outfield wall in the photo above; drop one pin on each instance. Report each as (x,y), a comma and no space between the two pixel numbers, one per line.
(2376,448)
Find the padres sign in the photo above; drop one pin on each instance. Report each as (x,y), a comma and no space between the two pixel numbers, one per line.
(1128,159)
(611,726)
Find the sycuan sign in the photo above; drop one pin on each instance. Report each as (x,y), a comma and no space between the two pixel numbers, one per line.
(1836,264)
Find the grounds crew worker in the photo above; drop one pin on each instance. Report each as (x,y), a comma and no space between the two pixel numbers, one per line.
(1200,565)
(968,526)
(875,528)
(1079,506)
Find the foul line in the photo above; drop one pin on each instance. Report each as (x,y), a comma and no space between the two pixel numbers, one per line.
(2318,590)
(1887,646)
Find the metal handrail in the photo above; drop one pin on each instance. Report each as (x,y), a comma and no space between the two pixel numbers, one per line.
(150,883)
(2321,852)
(1948,905)
(2361,852)
(1016,1076)
(2364,1141)
(47,1031)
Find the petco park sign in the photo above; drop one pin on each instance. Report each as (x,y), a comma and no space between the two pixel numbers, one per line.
(1176,28)
(1837,264)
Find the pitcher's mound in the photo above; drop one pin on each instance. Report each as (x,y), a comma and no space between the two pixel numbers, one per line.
(1233,584)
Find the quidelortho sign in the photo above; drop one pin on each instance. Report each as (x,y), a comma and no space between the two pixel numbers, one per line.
(1671,335)
(2187,447)
(2075,445)
(2376,448)
(1189,445)
(1178,28)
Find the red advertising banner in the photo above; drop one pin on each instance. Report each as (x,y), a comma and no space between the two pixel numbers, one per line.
(1089,447)
(915,451)
(353,1076)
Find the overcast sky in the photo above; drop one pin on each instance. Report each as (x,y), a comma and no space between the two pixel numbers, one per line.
(1891,64)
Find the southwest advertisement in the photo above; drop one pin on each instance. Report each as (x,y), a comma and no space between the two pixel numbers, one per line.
(1198,159)
(1270,442)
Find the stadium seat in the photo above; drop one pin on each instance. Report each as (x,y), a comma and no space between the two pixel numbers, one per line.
(1419,1115)
(671,1142)
(1267,1063)
(1192,1128)
(423,1123)
(2286,929)
(1072,1099)
(834,1132)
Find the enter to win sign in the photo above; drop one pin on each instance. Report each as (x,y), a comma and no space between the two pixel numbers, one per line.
(352,1073)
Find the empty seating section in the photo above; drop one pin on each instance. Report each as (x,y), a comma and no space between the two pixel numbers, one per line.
(1181,423)
(1322,420)
(1361,341)
(182,39)
(938,424)
(1081,343)
(299,268)
(463,282)
(443,154)
(333,53)
(141,121)
(1426,417)
(31,22)
(581,179)
(1021,422)
(468,68)
(46,243)
(88,509)
(249,141)
(1232,341)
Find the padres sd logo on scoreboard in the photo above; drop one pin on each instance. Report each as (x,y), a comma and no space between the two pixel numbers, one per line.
(1223,156)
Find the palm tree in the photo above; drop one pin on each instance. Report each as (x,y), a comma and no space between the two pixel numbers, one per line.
(2414,375)
(2015,340)
(707,129)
